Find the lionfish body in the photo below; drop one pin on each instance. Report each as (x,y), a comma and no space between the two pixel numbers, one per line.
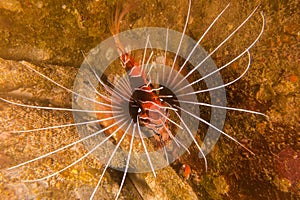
(145,105)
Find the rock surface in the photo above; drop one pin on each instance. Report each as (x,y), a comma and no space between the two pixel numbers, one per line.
(52,36)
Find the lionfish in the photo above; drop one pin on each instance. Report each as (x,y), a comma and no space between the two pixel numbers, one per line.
(145,114)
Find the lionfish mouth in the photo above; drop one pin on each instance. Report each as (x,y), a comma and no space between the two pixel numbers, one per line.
(119,115)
